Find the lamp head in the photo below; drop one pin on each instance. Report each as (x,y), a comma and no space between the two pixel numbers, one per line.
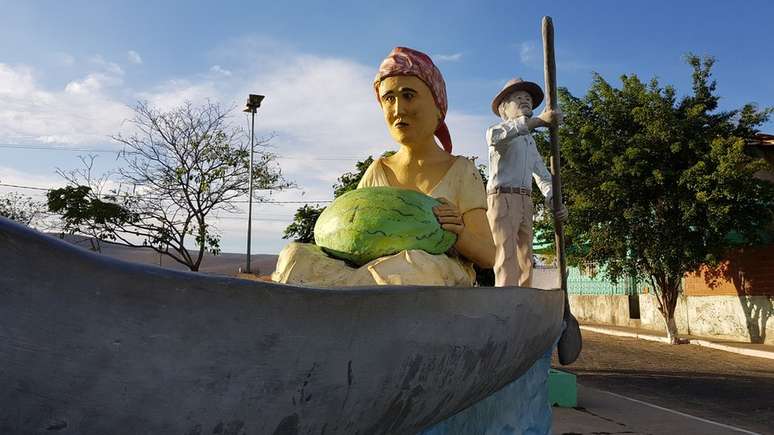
(253,103)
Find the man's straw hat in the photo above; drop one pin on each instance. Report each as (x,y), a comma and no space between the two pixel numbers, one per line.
(517,84)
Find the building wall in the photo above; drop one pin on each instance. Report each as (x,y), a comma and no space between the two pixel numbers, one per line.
(749,271)
(607,309)
(740,318)
(650,317)
(734,301)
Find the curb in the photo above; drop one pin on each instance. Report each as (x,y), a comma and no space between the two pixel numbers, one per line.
(734,349)
(601,330)
(695,341)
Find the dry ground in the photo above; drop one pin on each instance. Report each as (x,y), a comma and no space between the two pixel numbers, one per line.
(223,264)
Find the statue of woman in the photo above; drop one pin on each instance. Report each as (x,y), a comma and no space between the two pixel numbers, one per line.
(412,95)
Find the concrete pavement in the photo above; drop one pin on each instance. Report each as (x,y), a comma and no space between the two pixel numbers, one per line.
(603,412)
(688,381)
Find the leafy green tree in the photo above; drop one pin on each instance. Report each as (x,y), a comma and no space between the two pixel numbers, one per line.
(185,164)
(83,212)
(655,183)
(302,228)
(349,180)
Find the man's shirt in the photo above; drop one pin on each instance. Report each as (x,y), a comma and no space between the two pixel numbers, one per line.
(514,158)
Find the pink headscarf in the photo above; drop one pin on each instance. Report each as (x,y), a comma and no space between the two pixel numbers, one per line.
(404,61)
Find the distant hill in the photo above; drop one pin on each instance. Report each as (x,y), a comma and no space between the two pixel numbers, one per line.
(223,264)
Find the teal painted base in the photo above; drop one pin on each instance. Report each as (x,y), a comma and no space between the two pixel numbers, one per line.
(562,389)
(519,408)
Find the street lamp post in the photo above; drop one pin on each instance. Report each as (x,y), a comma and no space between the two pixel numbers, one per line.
(252,105)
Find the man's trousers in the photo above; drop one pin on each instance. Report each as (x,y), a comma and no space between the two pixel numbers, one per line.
(510,218)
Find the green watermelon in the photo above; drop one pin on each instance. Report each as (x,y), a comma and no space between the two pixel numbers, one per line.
(372,222)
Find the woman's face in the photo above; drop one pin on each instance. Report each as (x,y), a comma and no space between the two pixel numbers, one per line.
(409,109)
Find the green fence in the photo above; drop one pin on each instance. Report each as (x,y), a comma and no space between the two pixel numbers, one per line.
(591,281)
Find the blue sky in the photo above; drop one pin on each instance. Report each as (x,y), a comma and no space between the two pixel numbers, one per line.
(70,70)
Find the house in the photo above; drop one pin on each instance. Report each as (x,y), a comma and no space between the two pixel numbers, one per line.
(762,145)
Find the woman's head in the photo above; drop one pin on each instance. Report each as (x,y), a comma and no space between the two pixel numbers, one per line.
(412,94)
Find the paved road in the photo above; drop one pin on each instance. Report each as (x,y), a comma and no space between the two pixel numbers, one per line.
(719,386)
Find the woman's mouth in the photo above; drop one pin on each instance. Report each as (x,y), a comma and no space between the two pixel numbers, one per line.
(401,124)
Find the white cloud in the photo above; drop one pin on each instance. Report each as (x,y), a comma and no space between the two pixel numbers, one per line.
(316,107)
(219,70)
(106,66)
(468,134)
(528,52)
(134,57)
(16,82)
(92,83)
(447,57)
(81,113)
(174,92)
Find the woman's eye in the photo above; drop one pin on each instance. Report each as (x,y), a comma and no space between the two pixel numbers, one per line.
(408,96)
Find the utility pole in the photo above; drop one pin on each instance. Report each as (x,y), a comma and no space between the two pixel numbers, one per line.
(252,105)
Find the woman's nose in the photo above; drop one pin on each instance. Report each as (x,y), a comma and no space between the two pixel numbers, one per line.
(398,108)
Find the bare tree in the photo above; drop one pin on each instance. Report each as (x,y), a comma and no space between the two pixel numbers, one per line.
(22,209)
(183,164)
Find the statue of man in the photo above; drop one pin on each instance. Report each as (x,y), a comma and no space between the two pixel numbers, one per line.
(513,162)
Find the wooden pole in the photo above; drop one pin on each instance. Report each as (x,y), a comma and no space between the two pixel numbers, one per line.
(551,99)
(571,341)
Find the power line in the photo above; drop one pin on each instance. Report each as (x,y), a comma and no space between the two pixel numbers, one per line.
(114,151)
(49,148)
(315,201)
(258,218)
(24,187)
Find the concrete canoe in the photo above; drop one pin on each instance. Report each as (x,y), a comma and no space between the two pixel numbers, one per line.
(93,345)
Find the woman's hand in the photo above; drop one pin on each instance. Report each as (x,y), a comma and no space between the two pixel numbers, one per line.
(474,239)
(449,216)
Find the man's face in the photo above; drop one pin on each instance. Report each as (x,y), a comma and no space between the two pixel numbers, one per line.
(516,104)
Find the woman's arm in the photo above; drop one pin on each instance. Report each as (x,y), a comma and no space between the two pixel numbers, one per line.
(476,242)
(474,238)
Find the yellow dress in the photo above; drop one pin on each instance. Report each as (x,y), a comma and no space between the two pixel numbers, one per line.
(307,265)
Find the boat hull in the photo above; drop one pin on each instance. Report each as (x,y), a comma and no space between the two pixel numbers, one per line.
(93,345)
